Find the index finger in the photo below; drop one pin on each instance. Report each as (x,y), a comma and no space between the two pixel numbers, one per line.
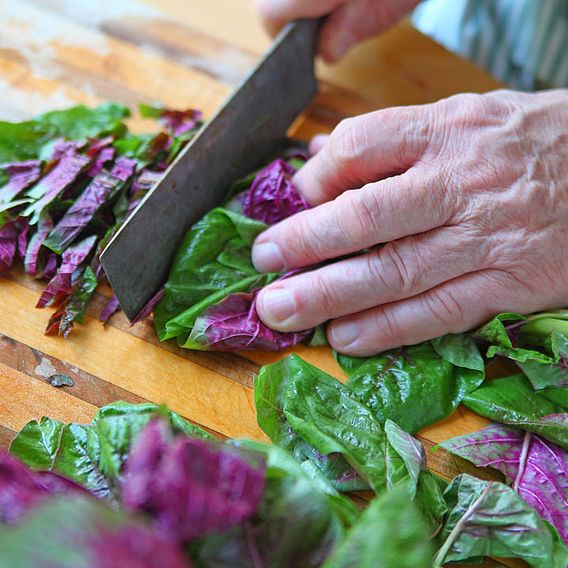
(380,212)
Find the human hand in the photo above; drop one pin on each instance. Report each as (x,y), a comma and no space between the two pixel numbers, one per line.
(469,194)
(348,21)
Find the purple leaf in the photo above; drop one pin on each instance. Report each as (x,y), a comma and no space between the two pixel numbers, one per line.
(191,487)
(50,268)
(101,189)
(31,259)
(111,307)
(54,183)
(536,468)
(178,122)
(272,196)
(22,489)
(22,175)
(123,169)
(23,232)
(61,285)
(233,325)
(149,307)
(62,147)
(103,157)
(145,181)
(8,246)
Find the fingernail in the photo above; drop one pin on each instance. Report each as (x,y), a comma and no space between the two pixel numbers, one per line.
(267,257)
(345,334)
(278,305)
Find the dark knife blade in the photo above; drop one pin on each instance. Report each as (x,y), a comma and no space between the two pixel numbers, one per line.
(247,130)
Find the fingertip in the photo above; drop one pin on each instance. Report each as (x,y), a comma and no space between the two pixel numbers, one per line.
(267,256)
(276,307)
(317,143)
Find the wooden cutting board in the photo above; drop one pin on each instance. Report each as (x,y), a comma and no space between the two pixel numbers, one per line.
(181,53)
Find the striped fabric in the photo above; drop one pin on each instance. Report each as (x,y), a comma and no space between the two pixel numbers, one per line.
(524,43)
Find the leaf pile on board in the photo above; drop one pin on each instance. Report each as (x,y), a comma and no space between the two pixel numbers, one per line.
(141,486)
(68,180)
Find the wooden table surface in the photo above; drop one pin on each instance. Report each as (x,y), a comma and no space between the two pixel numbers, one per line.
(182,53)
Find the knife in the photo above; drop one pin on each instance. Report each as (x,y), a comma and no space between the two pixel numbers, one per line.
(249,128)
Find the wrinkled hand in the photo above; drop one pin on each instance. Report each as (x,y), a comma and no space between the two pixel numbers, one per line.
(348,22)
(469,194)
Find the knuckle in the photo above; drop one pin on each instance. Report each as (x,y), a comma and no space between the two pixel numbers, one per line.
(389,327)
(444,308)
(304,240)
(365,210)
(345,141)
(397,271)
(325,295)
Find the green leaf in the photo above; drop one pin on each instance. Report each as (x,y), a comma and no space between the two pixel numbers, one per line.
(93,454)
(37,443)
(21,140)
(298,523)
(513,401)
(213,261)
(389,534)
(330,418)
(416,386)
(430,500)
(487,518)
(80,122)
(270,388)
(540,344)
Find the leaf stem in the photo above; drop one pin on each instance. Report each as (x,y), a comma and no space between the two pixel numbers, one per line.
(455,533)
(522,460)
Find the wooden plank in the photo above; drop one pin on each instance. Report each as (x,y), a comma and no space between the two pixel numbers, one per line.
(6,437)
(25,398)
(136,366)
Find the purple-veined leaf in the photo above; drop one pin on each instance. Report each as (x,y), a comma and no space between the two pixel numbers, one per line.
(64,173)
(32,257)
(123,168)
(111,307)
(488,518)
(101,190)
(176,122)
(536,468)
(8,246)
(22,489)
(22,175)
(149,307)
(145,181)
(100,160)
(191,487)
(61,147)
(272,196)
(23,235)
(61,285)
(50,268)
(75,308)
(233,325)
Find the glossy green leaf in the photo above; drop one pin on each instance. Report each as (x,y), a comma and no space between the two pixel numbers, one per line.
(513,401)
(328,416)
(92,454)
(418,385)
(213,261)
(270,388)
(37,443)
(389,534)
(487,518)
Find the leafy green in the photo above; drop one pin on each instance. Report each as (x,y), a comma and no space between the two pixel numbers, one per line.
(270,389)
(213,261)
(389,534)
(418,385)
(487,518)
(512,401)
(299,522)
(537,343)
(92,454)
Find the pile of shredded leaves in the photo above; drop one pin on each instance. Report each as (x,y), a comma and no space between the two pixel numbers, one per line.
(141,486)
(68,180)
